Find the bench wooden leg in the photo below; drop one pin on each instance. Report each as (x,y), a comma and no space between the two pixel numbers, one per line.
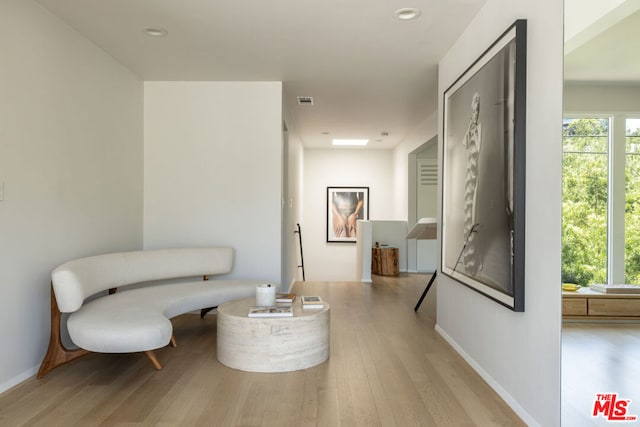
(204,311)
(152,356)
(57,353)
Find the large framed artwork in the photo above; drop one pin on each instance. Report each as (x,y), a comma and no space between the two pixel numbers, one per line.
(345,205)
(483,187)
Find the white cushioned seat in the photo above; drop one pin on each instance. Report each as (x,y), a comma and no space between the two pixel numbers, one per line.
(138,319)
(76,280)
(135,320)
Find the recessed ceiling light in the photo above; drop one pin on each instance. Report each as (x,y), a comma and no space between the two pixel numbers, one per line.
(353,142)
(407,13)
(155,32)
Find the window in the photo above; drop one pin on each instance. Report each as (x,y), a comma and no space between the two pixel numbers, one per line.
(632,201)
(585,171)
(601,200)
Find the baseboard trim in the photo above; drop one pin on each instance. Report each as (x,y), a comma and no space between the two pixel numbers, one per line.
(18,379)
(509,400)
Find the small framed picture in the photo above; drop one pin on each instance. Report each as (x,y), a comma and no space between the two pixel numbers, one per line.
(345,205)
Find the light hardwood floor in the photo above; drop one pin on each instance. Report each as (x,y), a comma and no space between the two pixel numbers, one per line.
(599,358)
(387,367)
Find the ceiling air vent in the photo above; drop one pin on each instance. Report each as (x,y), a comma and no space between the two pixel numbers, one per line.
(305,100)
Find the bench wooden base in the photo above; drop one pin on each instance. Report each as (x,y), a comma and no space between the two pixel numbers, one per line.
(58,354)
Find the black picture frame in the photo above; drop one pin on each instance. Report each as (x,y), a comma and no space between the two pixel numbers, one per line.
(345,205)
(483,171)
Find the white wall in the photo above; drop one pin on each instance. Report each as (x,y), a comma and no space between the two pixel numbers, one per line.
(586,19)
(292,197)
(71,163)
(519,353)
(427,130)
(388,169)
(363,251)
(426,207)
(341,168)
(601,98)
(405,206)
(292,209)
(213,170)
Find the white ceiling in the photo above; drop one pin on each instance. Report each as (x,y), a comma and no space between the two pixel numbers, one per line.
(607,52)
(367,71)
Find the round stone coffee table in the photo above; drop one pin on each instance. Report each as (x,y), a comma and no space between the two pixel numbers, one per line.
(272,344)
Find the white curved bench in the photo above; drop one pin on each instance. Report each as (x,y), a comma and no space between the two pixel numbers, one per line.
(135,320)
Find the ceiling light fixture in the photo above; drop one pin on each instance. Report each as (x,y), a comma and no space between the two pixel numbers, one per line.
(350,142)
(407,13)
(155,32)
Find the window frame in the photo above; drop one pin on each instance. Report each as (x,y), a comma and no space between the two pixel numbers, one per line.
(616,189)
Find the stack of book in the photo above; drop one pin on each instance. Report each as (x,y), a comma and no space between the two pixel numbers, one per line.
(311,302)
(615,289)
(271,311)
(285,299)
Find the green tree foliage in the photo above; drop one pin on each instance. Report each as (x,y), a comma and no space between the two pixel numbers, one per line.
(584,205)
(632,208)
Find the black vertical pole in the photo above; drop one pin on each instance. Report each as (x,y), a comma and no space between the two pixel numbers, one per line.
(424,294)
(299,231)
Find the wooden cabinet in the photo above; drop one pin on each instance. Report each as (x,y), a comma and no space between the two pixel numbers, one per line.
(574,306)
(384,261)
(614,307)
(586,304)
